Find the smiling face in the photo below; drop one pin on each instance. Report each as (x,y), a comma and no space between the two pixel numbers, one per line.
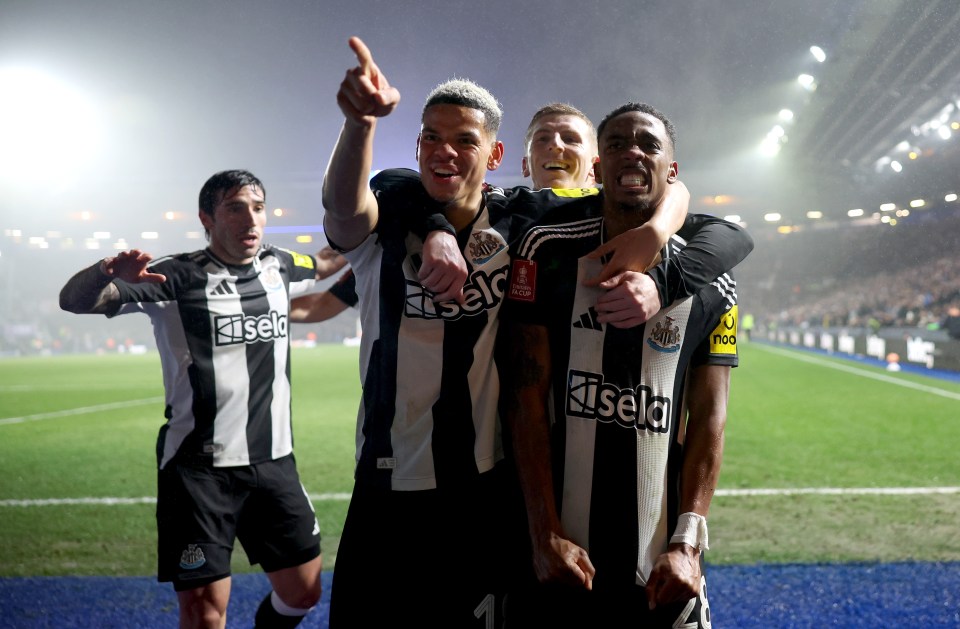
(454,152)
(561,150)
(636,161)
(236,225)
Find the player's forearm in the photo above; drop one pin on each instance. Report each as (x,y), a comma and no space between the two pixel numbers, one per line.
(315,308)
(670,214)
(351,209)
(703,442)
(525,375)
(89,291)
(714,247)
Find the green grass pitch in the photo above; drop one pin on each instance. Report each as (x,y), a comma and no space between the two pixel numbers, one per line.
(81,427)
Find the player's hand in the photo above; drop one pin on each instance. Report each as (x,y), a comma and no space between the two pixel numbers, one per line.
(131,266)
(365,94)
(634,250)
(558,560)
(675,576)
(631,299)
(328,262)
(443,270)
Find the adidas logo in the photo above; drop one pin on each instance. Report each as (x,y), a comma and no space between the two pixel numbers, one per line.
(224,288)
(588,321)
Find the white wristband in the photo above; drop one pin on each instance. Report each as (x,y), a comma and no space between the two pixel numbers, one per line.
(691,529)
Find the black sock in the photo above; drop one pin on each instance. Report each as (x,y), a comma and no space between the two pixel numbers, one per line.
(269,618)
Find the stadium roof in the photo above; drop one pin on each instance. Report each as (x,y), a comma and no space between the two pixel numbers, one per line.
(114,113)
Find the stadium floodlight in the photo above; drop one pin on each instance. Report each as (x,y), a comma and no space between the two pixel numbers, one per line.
(855,213)
(149,235)
(944,132)
(888,207)
(814,214)
(903,146)
(950,198)
(807,81)
(304,239)
(733,218)
(769,147)
(170,215)
(786,115)
(955,125)
(278,211)
(772,217)
(918,203)
(896,166)
(912,155)
(818,53)
(48,127)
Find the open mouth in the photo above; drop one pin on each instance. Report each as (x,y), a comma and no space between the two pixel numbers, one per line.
(556,166)
(444,173)
(633,179)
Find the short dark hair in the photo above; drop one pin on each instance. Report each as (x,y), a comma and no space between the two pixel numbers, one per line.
(223,182)
(555,109)
(643,108)
(466,93)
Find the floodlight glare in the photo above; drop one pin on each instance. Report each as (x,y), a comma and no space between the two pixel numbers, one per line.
(855,213)
(818,53)
(47,126)
(944,132)
(888,207)
(896,166)
(806,80)
(786,115)
(918,203)
(950,198)
(772,217)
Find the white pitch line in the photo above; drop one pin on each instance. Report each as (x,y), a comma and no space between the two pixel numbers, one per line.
(799,355)
(342,497)
(80,411)
(839,491)
(143,500)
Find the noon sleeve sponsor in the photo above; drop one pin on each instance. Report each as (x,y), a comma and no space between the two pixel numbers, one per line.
(723,339)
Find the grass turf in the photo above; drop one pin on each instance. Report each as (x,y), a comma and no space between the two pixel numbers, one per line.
(792,423)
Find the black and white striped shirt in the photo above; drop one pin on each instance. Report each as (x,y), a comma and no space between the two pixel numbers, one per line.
(616,394)
(222,334)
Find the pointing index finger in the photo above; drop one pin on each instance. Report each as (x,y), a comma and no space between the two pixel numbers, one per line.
(363,54)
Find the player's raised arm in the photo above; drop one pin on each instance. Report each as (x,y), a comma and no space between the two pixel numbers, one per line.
(364,95)
(91,291)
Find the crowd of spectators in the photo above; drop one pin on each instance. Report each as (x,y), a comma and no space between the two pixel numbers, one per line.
(856,277)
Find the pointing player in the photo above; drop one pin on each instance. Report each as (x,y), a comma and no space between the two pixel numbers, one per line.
(225,455)
(426,494)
